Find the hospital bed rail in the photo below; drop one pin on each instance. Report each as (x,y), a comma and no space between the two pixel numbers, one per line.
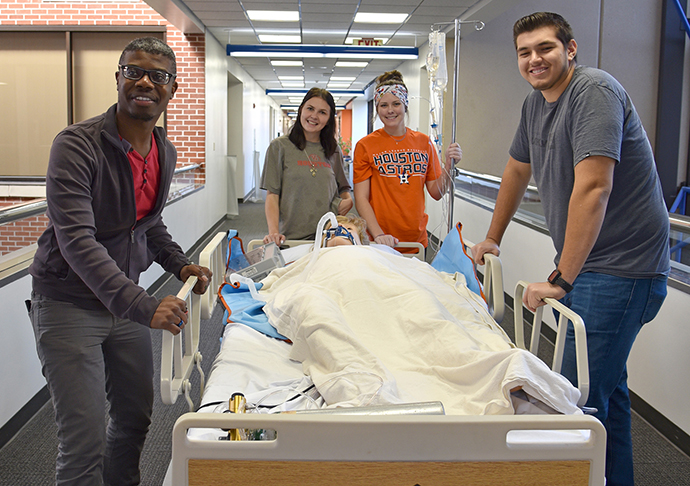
(493,286)
(213,258)
(180,353)
(565,315)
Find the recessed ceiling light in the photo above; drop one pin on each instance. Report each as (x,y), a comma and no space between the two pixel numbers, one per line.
(380,18)
(286,63)
(291,78)
(338,85)
(292,84)
(273,15)
(351,64)
(291,39)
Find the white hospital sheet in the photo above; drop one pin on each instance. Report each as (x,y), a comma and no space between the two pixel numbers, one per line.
(374,328)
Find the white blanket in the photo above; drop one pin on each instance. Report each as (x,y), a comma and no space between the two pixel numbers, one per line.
(373,328)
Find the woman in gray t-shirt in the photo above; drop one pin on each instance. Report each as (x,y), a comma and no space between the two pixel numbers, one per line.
(303,172)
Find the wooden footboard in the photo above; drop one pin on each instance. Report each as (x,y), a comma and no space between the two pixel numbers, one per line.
(401,450)
(299,473)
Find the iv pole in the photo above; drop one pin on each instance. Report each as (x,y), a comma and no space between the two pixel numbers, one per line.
(478,25)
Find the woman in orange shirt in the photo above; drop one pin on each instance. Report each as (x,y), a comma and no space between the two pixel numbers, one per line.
(393,165)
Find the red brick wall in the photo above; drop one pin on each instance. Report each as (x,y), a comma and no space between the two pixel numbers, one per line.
(17,235)
(186,111)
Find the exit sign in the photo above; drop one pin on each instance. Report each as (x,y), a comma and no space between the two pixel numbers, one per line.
(367,41)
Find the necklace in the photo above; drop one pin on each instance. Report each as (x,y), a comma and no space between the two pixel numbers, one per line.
(311,163)
(398,139)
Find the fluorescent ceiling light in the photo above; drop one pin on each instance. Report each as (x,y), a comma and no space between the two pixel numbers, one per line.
(273,15)
(352,93)
(286,63)
(296,107)
(380,18)
(291,78)
(319,50)
(351,64)
(343,78)
(295,39)
(338,85)
(293,84)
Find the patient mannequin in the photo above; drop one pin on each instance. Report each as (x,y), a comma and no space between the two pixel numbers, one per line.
(351,230)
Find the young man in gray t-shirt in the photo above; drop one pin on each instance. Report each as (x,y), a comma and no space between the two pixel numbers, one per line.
(582,140)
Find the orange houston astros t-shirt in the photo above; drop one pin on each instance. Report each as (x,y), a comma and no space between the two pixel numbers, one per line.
(399,168)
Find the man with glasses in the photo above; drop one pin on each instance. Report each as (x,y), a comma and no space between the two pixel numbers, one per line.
(107,184)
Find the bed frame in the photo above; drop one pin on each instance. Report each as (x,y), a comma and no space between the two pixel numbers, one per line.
(389,450)
(383,450)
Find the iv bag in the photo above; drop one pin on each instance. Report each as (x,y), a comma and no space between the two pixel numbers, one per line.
(438,79)
(436,61)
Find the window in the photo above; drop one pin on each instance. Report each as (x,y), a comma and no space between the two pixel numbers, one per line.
(49,80)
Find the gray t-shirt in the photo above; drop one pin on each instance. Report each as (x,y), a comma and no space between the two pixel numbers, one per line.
(595,117)
(308,183)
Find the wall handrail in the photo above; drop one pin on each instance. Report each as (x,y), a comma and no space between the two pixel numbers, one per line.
(187,168)
(23,210)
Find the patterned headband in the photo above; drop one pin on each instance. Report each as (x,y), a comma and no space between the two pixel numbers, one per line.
(398,90)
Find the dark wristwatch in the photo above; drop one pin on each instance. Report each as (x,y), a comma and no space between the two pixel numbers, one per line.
(556,279)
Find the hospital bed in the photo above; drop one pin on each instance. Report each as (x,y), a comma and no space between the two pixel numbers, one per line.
(373,449)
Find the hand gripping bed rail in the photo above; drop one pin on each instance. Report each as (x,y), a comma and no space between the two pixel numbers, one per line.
(213,258)
(565,315)
(493,286)
(178,358)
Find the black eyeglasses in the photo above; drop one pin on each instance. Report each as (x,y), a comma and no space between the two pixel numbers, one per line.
(135,73)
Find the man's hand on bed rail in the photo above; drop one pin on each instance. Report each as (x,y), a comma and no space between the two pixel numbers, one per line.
(170,315)
(277,238)
(486,246)
(203,273)
(535,293)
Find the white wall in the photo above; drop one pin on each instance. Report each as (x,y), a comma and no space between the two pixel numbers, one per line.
(21,375)
(359,120)
(491,91)
(256,117)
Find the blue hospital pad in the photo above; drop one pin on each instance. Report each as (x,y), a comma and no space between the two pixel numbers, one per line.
(452,258)
(242,308)
(239,304)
